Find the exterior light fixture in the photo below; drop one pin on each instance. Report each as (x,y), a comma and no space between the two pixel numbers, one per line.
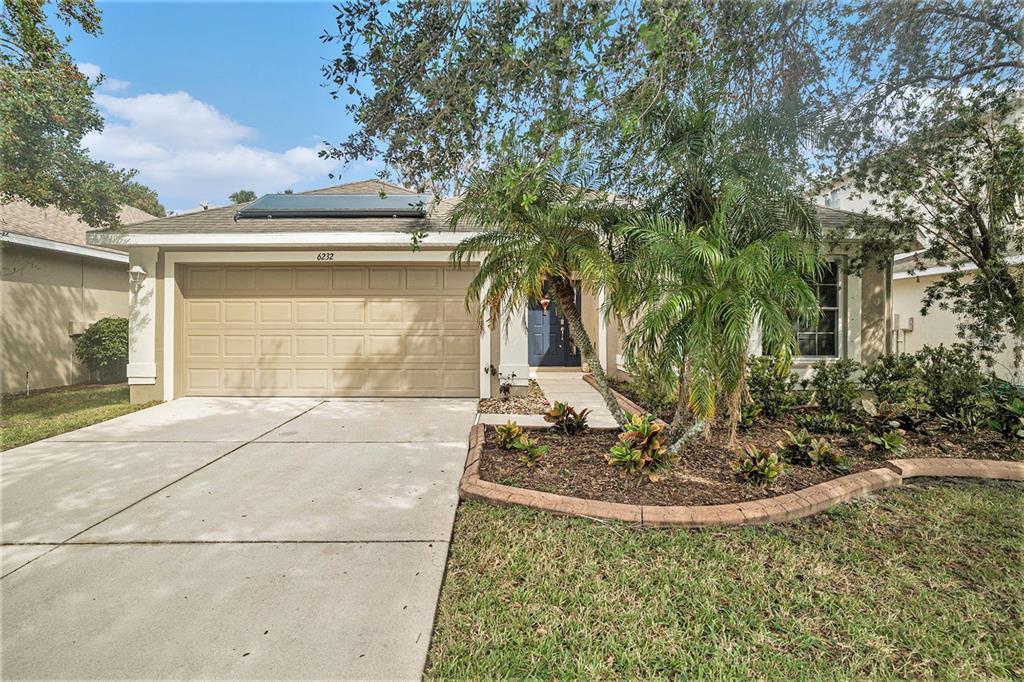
(544,303)
(137,275)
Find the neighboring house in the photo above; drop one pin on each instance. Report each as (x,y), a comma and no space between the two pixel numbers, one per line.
(52,286)
(320,294)
(911,330)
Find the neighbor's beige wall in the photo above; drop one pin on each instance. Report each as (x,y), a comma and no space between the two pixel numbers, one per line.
(40,293)
(938,326)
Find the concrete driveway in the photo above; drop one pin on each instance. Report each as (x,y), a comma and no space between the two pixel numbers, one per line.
(232,538)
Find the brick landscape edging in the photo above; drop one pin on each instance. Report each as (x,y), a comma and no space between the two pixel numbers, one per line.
(788,507)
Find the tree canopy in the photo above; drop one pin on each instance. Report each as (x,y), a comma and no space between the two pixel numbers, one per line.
(46,109)
(242,196)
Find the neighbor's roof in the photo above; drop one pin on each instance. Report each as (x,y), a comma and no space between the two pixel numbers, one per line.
(20,217)
(222,220)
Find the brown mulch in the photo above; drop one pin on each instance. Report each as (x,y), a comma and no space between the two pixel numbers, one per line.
(534,402)
(625,388)
(703,474)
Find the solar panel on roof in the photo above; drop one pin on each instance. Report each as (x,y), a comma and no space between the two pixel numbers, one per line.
(336,206)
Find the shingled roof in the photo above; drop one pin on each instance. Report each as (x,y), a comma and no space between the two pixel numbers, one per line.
(222,220)
(20,217)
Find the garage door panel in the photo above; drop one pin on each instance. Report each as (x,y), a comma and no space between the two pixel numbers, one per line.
(328,330)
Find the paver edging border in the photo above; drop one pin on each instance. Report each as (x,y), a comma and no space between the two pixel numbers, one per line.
(788,507)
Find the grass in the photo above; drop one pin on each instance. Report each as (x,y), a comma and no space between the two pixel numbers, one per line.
(923,581)
(26,419)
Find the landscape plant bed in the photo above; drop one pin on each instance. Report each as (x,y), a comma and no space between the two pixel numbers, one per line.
(532,402)
(703,474)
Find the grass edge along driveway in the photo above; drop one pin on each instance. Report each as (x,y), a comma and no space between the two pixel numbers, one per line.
(26,419)
(922,581)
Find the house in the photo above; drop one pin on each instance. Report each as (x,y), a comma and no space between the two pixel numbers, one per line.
(53,285)
(912,331)
(320,294)
(909,328)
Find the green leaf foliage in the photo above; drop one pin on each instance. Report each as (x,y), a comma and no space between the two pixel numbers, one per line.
(103,347)
(46,109)
(835,389)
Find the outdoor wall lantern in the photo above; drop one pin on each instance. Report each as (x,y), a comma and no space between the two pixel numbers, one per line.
(544,303)
(136,275)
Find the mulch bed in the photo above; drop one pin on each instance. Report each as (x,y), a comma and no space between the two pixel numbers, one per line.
(625,388)
(703,475)
(533,402)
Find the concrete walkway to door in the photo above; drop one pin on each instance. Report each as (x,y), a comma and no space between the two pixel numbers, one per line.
(247,538)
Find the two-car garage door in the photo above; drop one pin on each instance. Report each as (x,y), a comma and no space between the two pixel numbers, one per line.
(327,330)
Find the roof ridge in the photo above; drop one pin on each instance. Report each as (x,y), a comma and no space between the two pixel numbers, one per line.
(386,183)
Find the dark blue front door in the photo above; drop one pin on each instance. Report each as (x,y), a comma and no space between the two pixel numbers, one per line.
(549,342)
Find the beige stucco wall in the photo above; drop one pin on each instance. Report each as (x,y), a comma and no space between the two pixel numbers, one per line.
(144,393)
(938,326)
(41,292)
(876,317)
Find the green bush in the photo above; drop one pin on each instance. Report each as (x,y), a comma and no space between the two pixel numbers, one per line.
(834,387)
(759,466)
(952,381)
(640,448)
(805,450)
(1008,412)
(103,348)
(893,377)
(826,422)
(507,434)
(651,390)
(772,388)
(566,420)
(530,451)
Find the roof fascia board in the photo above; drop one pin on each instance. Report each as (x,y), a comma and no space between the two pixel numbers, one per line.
(272,239)
(61,247)
(945,269)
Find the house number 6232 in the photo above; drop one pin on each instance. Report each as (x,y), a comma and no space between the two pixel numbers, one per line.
(325,255)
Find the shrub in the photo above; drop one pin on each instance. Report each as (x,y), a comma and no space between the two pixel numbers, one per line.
(893,377)
(507,434)
(834,387)
(759,466)
(530,451)
(566,420)
(880,417)
(889,441)
(650,389)
(772,388)
(805,450)
(640,448)
(826,422)
(103,348)
(952,380)
(1008,418)
(1008,409)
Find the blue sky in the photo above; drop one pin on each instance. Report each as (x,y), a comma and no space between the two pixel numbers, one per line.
(206,98)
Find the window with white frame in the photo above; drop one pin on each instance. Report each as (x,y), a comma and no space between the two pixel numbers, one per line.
(832,199)
(820,338)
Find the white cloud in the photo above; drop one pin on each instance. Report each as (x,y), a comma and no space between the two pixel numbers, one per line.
(190,152)
(93,73)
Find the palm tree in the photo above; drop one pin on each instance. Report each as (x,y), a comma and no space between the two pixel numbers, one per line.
(701,292)
(539,228)
(726,248)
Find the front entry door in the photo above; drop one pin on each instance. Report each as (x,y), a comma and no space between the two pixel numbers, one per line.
(550,344)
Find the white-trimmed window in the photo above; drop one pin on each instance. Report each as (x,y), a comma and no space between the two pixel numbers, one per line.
(820,338)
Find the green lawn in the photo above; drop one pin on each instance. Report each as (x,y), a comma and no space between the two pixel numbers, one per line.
(924,581)
(28,419)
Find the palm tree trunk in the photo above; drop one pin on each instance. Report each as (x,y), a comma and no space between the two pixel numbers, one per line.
(682,402)
(736,402)
(565,293)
